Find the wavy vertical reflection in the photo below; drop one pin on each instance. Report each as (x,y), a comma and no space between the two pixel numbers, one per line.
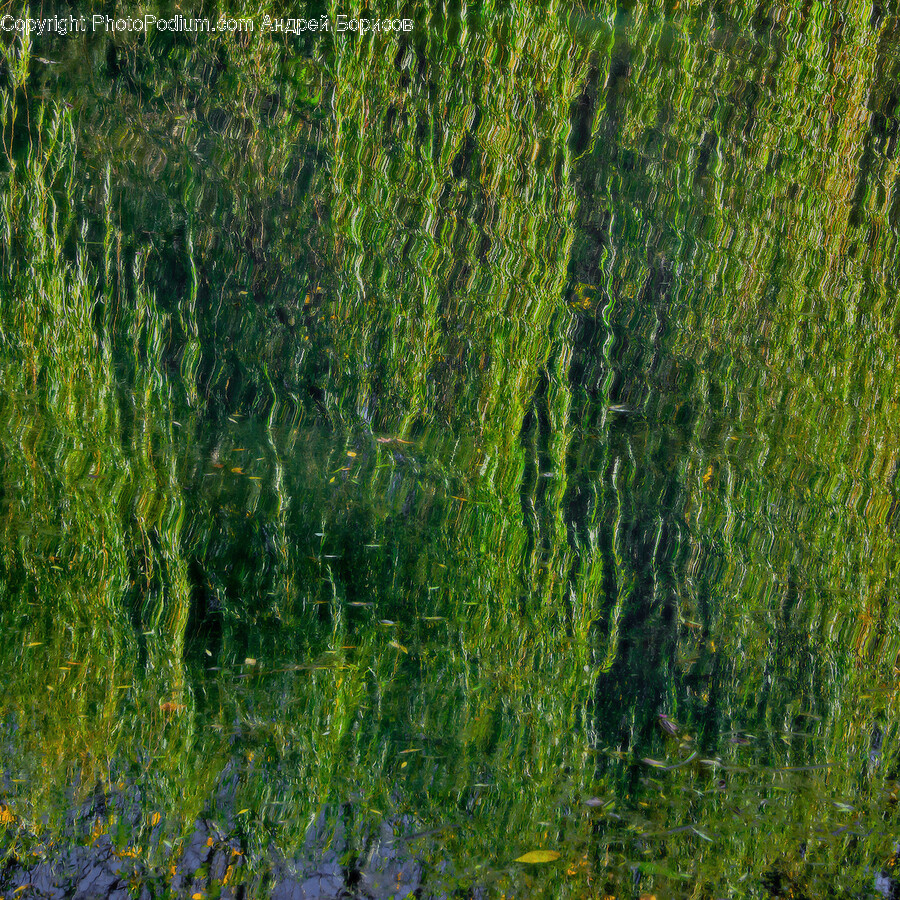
(422,437)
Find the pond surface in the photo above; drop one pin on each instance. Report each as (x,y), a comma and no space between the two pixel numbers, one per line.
(459,462)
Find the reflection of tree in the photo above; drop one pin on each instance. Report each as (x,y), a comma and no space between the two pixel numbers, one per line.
(608,327)
(786,579)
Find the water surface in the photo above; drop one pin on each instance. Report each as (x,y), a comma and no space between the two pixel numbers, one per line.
(422,450)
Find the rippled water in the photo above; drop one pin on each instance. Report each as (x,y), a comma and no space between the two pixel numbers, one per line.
(417,451)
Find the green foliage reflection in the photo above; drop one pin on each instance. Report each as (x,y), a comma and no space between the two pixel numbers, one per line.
(439,431)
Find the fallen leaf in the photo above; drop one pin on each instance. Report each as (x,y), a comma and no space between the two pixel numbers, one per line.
(538,856)
(667,724)
(654,869)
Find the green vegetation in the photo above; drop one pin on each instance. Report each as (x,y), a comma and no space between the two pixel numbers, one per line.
(483,430)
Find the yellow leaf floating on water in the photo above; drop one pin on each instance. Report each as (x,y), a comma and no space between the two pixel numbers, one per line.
(539,856)
(238,470)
